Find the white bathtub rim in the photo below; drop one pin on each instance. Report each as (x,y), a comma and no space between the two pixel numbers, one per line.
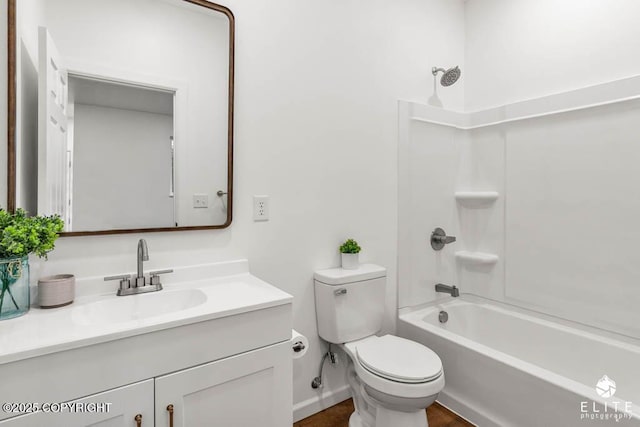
(414,318)
(617,339)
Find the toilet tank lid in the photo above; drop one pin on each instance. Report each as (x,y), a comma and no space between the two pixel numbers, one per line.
(340,276)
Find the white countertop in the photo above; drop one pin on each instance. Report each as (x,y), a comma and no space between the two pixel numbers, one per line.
(44,331)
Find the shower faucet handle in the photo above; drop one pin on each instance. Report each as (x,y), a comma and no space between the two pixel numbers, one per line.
(439,238)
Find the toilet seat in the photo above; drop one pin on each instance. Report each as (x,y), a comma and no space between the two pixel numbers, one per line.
(399,359)
(383,374)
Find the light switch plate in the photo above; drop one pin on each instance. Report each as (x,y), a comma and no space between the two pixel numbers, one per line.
(200,201)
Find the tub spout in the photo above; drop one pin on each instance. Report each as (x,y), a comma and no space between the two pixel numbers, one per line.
(451,290)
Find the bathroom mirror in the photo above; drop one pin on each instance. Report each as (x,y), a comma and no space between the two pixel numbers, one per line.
(121,113)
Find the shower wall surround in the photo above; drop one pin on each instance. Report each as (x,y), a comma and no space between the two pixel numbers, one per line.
(562,235)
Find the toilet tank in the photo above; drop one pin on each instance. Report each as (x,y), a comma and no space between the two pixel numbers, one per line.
(350,303)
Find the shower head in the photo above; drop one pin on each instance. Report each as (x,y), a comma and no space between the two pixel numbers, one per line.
(449,76)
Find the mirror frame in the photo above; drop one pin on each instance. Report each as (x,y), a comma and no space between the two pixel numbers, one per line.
(11,125)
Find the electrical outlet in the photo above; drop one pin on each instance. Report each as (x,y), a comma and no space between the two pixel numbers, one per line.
(261,208)
(200,200)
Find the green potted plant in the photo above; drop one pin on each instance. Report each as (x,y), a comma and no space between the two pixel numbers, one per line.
(349,251)
(22,235)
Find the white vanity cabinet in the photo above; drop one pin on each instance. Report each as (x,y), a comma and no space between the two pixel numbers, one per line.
(250,389)
(225,362)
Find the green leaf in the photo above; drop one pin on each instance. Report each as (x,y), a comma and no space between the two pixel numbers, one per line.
(21,235)
(350,246)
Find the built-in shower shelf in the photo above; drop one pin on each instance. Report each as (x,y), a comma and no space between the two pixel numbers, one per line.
(477,258)
(476,198)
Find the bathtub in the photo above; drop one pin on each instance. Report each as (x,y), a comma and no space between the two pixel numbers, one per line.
(505,366)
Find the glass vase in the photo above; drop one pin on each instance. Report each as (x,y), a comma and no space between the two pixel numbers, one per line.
(14,287)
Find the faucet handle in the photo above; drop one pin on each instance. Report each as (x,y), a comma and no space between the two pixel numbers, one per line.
(155,276)
(125,280)
(439,238)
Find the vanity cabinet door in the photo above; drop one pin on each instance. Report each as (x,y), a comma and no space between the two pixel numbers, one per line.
(250,389)
(115,408)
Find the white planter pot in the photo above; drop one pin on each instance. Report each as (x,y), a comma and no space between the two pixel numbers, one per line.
(350,261)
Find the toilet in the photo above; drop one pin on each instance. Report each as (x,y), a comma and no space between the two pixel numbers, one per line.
(392,379)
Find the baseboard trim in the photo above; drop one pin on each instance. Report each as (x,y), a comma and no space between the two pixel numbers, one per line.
(306,408)
(463,410)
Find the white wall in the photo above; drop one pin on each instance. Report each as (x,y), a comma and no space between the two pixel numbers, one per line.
(316,108)
(132,149)
(522,49)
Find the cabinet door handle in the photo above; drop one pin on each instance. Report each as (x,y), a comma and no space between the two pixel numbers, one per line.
(170,410)
(138,420)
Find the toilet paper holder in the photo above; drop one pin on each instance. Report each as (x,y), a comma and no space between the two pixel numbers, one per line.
(298,346)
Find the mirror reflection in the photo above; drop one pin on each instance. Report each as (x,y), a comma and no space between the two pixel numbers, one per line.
(122,113)
(106,120)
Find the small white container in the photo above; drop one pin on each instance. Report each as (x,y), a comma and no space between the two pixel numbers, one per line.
(56,291)
(350,261)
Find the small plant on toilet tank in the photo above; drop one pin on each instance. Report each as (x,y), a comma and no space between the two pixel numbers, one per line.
(349,251)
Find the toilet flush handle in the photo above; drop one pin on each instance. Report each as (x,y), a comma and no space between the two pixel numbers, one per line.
(341,291)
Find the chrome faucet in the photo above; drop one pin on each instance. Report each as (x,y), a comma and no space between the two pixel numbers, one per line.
(451,290)
(143,255)
(139,285)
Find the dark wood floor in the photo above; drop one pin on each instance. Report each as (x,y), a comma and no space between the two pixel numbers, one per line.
(338,416)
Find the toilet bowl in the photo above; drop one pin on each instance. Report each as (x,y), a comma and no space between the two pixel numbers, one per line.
(392,379)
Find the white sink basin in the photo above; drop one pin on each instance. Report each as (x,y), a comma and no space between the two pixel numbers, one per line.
(137,307)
